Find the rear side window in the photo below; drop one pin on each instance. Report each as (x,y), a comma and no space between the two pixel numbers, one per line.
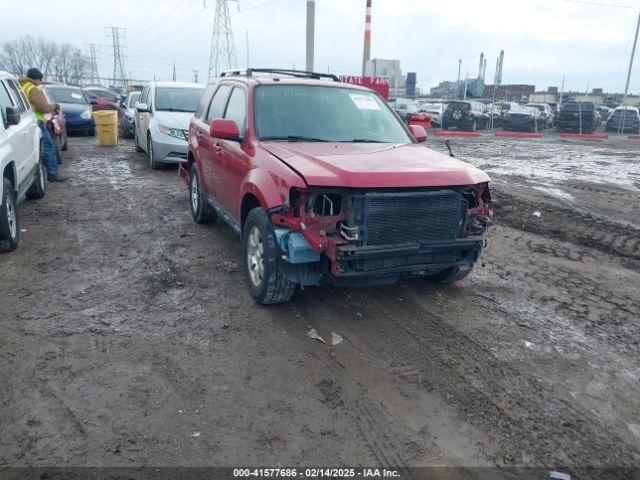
(15,95)
(205,100)
(218,103)
(237,108)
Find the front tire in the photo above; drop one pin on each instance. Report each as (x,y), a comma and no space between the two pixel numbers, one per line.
(450,275)
(9,224)
(38,188)
(57,143)
(201,211)
(266,283)
(151,162)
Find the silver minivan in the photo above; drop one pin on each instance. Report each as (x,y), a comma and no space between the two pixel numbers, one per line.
(162,116)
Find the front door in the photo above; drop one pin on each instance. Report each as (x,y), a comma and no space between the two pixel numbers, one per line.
(208,147)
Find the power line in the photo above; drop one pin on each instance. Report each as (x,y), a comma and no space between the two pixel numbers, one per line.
(598,4)
(150,27)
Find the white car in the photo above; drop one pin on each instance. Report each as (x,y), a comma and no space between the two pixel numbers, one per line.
(162,117)
(23,173)
(435,109)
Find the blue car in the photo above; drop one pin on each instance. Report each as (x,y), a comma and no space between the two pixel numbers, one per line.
(76,108)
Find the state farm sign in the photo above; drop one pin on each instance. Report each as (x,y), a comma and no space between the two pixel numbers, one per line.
(377,84)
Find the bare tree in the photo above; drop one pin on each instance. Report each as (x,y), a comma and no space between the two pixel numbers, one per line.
(58,62)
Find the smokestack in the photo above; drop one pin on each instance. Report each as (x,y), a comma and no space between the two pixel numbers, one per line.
(484,69)
(500,64)
(311,26)
(481,65)
(367,39)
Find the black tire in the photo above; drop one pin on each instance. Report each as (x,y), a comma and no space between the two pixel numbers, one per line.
(57,143)
(125,131)
(272,287)
(9,222)
(65,145)
(201,211)
(91,132)
(38,188)
(449,276)
(151,162)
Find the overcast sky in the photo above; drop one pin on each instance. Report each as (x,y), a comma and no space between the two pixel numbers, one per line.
(542,39)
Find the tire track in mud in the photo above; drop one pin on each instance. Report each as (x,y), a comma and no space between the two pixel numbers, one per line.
(514,410)
(568,224)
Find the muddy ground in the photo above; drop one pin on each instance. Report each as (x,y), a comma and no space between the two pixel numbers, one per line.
(128,337)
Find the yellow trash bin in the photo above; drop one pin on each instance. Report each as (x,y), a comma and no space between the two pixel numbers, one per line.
(107,127)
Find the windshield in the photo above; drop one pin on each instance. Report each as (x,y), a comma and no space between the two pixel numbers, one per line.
(67,95)
(324,114)
(133,99)
(173,99)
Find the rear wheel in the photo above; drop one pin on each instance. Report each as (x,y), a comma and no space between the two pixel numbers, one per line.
(474,126)
(201,211)
(267,284)
(38,188)
(9,225)
(57,143)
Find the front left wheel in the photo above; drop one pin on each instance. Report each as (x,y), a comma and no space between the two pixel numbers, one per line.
(267,284)
(201,211)
(151,161)
(9,225)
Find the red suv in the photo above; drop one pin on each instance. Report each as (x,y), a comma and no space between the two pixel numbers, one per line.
(325,184)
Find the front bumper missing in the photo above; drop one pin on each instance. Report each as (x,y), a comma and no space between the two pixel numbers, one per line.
(416,258)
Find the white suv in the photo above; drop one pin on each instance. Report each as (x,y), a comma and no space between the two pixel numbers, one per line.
(23,173)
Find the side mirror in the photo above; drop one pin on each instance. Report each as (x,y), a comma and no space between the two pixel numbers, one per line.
(225,130)
(13,116)
(418,132)
(142,107)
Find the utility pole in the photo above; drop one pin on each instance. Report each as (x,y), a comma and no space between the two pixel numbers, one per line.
(458,82)
(633,53)
(174,71)
(223,51)
(195,76)
(116,34)
(95,77)
(311,27)
(247,42)
(561,92)
(466,81)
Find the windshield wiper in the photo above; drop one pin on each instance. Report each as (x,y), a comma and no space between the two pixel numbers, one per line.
(295,138)
(174,110)
(364,140)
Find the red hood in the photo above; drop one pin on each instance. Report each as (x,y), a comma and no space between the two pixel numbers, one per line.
(362,165)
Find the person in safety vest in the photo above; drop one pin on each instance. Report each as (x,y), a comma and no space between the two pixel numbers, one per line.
(39,104)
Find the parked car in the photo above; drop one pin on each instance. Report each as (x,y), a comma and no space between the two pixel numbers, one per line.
(76,107)
(435,110)
(546,112)
(162,117)
(465,115)
(325,184)
(577,117)
(103,99)
(405,107)
(624,118)
(524,119)
(127,120)
(23,173)
(604,112)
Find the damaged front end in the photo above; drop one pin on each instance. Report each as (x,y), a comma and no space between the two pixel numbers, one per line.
(361,236)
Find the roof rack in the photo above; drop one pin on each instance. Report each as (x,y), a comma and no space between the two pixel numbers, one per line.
(248,72)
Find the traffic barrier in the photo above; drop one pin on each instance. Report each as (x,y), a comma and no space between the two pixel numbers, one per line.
(585,136)
(518,135)
(456,134)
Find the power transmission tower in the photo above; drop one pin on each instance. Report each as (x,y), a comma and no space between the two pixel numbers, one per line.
(116,34)
(95,76)
(223,50)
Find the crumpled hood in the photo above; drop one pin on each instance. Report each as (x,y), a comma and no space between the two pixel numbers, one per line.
(362,165)
(178,120)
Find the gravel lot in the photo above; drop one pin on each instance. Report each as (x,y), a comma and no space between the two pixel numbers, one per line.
(128,337)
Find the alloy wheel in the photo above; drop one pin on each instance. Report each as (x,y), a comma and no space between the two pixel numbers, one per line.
(195,192)
(255,256)
(11,216)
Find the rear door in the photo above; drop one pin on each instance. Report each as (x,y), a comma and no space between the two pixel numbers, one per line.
(142,120)
(233,163)
(208,147)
